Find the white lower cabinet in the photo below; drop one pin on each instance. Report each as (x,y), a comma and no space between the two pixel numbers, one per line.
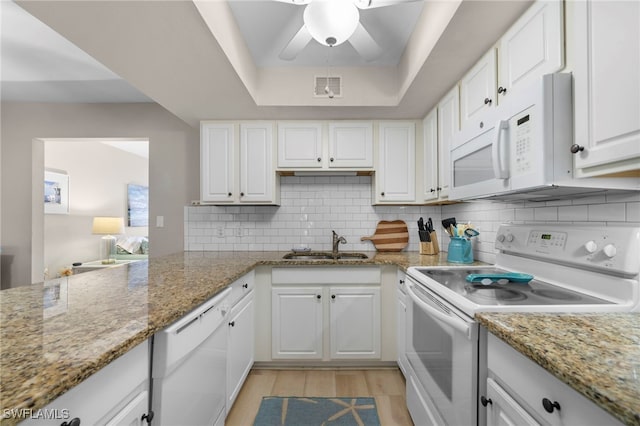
(241,337)
(325,313)
(115,395)
(521,392)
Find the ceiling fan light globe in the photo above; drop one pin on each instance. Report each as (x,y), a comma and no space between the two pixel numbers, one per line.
(331,20)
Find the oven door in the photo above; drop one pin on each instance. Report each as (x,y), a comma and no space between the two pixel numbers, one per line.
(442,351)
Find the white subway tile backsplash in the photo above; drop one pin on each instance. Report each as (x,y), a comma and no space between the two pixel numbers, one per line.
(311,206)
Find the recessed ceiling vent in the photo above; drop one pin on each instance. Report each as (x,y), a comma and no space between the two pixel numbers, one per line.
(328,87)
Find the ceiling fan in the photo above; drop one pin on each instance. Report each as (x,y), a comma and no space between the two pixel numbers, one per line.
(332,22)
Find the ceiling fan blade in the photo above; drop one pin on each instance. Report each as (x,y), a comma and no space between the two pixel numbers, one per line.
(371,4)
(296,44)
(295,1)
(364,44)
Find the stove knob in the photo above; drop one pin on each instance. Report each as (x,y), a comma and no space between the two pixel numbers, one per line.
(591,246)
(510,238)
(610,250)
(500,238)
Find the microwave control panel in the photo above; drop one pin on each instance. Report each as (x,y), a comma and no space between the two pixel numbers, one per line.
(522,128)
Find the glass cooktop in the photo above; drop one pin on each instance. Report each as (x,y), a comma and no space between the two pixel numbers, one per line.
(532,293)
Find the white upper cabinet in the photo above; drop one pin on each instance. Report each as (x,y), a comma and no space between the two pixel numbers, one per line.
(237,171)
(257,176)
(300,145)
(430,161)
(607,88)
(448,128)
(217,162)
(533,46)
(351,144)
(395,171)
(478,91)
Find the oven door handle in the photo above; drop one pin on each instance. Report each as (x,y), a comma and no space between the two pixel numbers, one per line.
(450,320)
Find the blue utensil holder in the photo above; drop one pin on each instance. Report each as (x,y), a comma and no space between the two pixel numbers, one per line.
(460,250)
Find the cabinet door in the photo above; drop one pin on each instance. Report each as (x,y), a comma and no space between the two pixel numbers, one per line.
(395,174)
(351,145)
(240,347)
(478,91)
(354,316)
(401,330)
(533,46)
(448,129)
(300,145)
(607,87)
(430,161)
(217,159)
(296,323)
(502,410)
(257,174)
(131,414)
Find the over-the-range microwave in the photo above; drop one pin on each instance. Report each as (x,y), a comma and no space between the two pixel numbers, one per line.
(522,149)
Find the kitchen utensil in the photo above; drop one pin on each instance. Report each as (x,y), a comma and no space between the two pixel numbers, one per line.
(514,277)
(448,223)
(470,232)
(423,233)
(389,236)
(429,225)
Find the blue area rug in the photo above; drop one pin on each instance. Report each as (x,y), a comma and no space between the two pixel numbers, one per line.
(296,411)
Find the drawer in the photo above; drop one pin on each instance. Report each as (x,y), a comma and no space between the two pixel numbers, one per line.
(241,287)
(326,275)
(529,384)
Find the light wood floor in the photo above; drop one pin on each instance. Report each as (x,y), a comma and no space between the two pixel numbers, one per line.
(387,386)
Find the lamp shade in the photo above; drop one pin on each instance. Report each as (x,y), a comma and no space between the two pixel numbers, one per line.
(108,226)
(331,22)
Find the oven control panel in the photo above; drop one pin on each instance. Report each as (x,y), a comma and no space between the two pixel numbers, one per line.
(614,249)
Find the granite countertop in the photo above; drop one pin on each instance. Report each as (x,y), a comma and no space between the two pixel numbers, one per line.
(598,355)
(55,335)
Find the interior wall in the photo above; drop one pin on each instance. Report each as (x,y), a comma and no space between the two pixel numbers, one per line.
(173,170)
(99,175)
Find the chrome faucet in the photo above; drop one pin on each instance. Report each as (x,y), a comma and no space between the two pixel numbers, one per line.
(336,241)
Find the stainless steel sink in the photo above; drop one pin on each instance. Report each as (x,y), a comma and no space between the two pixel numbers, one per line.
(322,255)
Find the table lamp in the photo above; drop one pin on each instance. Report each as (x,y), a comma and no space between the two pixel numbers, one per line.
(108,226)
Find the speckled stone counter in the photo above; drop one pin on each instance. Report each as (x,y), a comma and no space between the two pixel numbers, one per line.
(54,336)
(596,354)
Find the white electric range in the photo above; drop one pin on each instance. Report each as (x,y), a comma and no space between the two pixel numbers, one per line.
(574,269)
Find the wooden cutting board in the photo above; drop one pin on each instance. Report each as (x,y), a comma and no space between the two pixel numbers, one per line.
(389,236)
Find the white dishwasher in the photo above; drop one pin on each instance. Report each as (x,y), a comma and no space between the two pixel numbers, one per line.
(190,367)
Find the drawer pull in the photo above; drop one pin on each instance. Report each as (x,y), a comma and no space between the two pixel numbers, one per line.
(550,406)
(147,417)
(245,285)
(73,422)
(485,401)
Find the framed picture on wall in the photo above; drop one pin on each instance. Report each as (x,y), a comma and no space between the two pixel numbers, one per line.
(56,193)
(138,205)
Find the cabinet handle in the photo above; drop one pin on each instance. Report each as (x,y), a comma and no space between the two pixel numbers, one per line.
(73,422)
(502,90)
(575,148)
(382,194)
(333,296)
(232,324)
(485,401)
(318,296)
(242,194)
(401,282)
(487,101)
(481,124)
(245,285)
(439,189)
(229,194)
(550,406)
(331,159)
(319,159)
(432,190)
(147,417)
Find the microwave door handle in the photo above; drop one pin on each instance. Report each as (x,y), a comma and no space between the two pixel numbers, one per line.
(500,170)
(452,321)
